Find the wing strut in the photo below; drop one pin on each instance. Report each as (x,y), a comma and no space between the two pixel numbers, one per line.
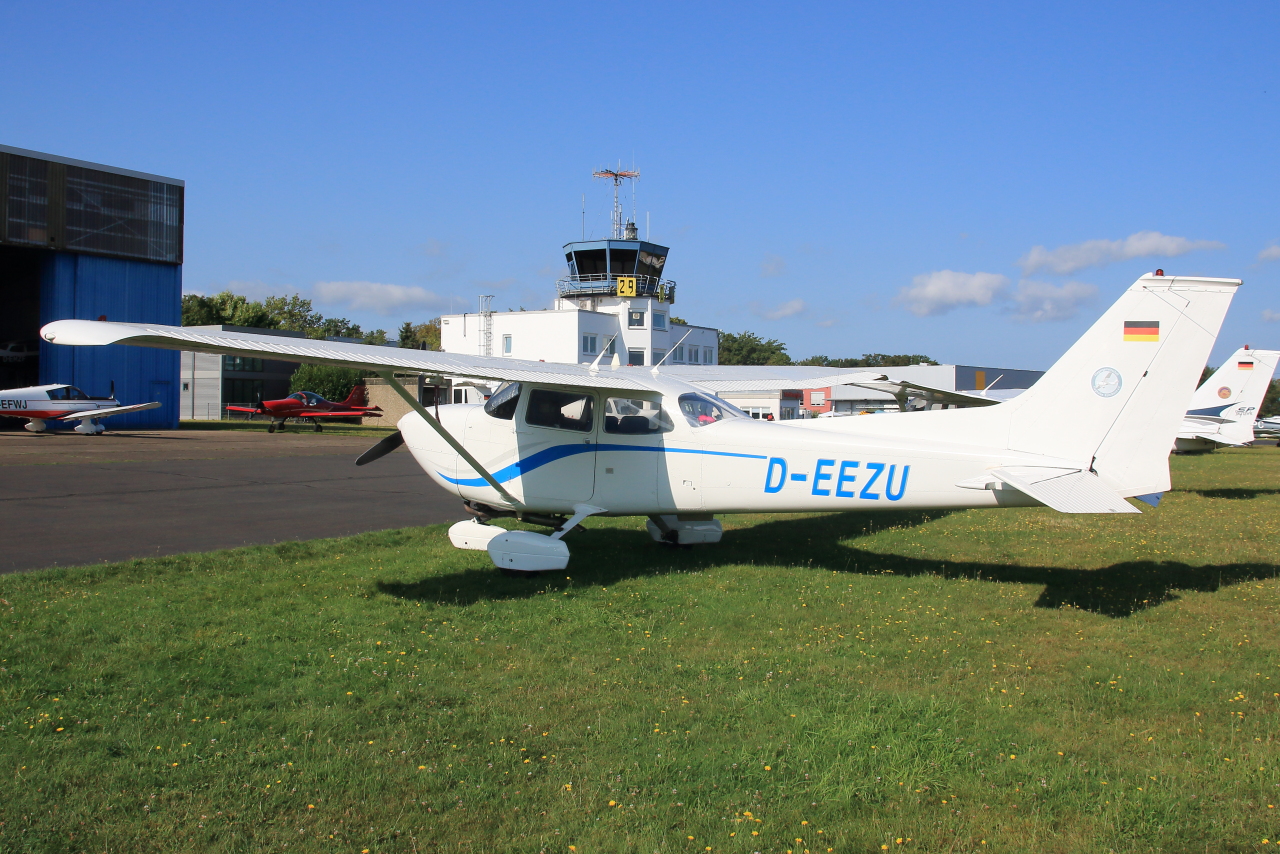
(444,434)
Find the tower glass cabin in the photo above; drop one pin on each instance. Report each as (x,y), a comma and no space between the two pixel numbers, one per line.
(597,266)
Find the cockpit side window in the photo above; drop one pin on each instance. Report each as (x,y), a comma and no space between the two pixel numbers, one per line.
(635,417)
(565,410)
(703,409)
(502,403)
(73,393)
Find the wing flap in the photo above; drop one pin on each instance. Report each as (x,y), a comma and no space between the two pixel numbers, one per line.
(1065,490)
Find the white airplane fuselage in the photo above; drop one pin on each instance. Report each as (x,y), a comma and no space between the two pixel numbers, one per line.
(42,403)
(736,465)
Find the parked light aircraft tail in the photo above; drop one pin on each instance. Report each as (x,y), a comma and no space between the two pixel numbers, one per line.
(1112,404)
(558,443)
(1224,408)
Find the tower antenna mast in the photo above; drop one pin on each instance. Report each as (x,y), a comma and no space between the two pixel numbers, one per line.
(617,175)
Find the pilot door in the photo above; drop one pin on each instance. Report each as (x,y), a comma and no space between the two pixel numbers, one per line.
(556,442)
(629,458)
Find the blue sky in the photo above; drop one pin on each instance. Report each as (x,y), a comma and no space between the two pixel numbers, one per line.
(975,182)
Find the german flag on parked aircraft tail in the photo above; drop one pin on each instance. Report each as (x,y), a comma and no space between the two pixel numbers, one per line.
(1142,330)
(1244,366)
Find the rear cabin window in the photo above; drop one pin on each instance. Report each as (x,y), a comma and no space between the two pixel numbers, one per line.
(635,417)
(502,403)
(564,410)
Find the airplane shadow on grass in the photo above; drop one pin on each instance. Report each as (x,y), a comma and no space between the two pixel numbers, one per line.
(1234,493)
(605,556)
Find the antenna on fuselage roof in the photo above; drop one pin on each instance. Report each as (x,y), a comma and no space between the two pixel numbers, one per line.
(670,351)
(595,364)
(617,176)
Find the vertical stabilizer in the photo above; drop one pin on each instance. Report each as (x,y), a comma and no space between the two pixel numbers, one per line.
(1234,392)
(1114,402)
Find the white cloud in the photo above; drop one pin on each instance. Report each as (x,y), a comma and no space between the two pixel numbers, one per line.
(942,290)
(373,296)
(1270,316)
(787,309)
(1271,253)
(773,265)
(1098,253)
(1036,302)
(434,248)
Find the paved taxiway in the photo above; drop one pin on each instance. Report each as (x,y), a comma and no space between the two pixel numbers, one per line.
(68,499)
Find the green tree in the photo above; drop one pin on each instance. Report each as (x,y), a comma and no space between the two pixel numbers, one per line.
(329,381)
(293,313)
(1270,401)
(748,348)
(422,336)
(377,336)
(225,308)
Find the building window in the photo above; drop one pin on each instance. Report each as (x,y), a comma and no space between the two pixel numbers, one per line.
(659,321)
(657,356)
(612,349)
(635,319)
(693,355)
(708,356)
(506,345)
(241,363)
(678,356)
(817,398)
(635,357)
(241,391)
(589,345)
(186,386)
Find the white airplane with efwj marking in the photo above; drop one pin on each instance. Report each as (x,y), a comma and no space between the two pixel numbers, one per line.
(558,443)
(40,404)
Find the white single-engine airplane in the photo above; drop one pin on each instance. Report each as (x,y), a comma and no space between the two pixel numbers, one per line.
(573,441)
(1224,408)
(40,404)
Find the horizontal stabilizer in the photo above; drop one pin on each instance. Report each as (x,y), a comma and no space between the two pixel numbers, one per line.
(103,413)
(1065,490)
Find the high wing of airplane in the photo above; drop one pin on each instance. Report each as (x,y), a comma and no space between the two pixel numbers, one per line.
(1224,408)
(558,443)
(309,406)
(40,404)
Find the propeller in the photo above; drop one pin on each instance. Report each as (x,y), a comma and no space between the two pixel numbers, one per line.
(381,449)
(112,394)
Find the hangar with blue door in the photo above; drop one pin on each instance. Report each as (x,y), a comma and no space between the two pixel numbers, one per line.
(89,242)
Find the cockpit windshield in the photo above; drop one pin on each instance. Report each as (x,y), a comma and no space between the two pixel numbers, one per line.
(67,392)
(703,409)
(502,403)
(310,398)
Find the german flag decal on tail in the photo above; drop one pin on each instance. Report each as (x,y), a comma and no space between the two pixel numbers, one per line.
(1142,330)
(1244,366)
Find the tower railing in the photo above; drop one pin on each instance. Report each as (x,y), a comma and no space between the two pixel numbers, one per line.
(606,284)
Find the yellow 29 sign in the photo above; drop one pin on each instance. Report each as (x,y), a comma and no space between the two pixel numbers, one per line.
(626,286)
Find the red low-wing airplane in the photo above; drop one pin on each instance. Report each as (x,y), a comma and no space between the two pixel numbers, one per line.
(311,406)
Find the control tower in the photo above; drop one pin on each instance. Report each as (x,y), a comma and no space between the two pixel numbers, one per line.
(613,305)
(620,268)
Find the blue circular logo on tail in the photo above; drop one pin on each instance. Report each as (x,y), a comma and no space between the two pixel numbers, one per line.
(1106,382)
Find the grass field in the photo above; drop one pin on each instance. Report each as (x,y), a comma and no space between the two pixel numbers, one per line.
(979,681)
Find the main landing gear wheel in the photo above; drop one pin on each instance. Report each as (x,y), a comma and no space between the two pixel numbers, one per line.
(319,428)
(271,428)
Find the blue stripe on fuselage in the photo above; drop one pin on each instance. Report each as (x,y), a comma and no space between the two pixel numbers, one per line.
(559,452)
